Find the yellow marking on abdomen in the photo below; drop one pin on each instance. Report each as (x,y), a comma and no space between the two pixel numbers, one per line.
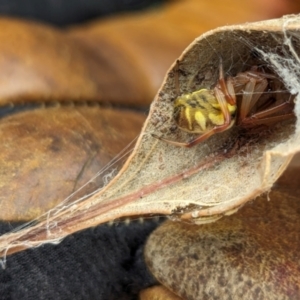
(216,119)
(188,117)
(201,120)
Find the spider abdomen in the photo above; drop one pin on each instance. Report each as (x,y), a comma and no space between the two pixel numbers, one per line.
(199,111)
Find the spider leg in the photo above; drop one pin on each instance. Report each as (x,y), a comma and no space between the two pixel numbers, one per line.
(270,111)
(253,91)
(267,120)
(190,144)
(265,116)
(198,139)
(226,88)
(257,74)
(221,98)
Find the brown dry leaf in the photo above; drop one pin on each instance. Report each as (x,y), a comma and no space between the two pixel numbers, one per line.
(253,254)
(40,63)
(202,181)
(109,60)
(157,293)
(142,46)
(47,154)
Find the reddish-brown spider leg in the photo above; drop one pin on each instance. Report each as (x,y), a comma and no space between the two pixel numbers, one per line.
(197,140)
(265,117)
(190,144)
(226,87)
(255,84)
(254,88)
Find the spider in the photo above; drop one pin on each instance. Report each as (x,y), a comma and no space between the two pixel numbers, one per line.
(213,111)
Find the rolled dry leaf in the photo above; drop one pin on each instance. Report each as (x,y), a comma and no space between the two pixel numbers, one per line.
(214,178)
(254,254)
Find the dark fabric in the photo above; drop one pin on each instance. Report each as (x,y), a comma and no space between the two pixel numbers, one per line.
(66,12)
(105,262)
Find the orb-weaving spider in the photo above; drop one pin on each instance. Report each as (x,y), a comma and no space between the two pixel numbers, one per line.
(212,111)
